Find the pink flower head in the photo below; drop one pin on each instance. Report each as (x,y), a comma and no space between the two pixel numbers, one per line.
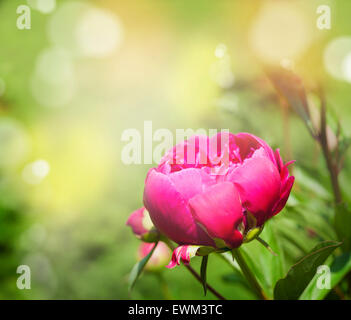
(159,258)
(142,226)
(206,191)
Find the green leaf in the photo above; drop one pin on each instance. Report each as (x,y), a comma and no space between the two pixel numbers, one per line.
(301,273)
(203,272)
(342,224)
(338,269)
(296,234)
(312,182)
(236,278)
(138,268)
(266,267)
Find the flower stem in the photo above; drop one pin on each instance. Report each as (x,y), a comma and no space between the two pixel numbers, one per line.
(331,165)
(209,288)
(286,129)
(195,274)
(248,274)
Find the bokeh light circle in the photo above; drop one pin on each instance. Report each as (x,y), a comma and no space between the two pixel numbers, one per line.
(221,70)
(220,50)
(53,82)
(55,65)
(35,172)
(14,142)
(98,33)
(280,32)
(62,24)
(44,6)
(85,30)
(337,58)
(347,67)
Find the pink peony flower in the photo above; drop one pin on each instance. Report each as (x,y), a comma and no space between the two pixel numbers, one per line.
(159,258)
(142,226)
(213,191)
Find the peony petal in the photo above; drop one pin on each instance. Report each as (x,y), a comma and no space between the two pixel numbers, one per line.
(258,182)
(284,196)
(159,258)
(279,160)
(248,142)
(188,182)
(144,249)
(169,211)
(184,254)
(191,153)
(135,221)
(221,148)
(196,151)
(283,169)
(218,210)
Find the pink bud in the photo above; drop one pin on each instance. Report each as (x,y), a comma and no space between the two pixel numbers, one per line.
(159,258)
(142,225)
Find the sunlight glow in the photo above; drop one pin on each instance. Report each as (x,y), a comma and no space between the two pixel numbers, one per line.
(347,67)
(336,58)
(99,33)
(280,32)
(85,30)
(35,172)
(221,71)
(53,81)
(44,6)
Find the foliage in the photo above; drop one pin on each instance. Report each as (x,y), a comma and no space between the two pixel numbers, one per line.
(70,227)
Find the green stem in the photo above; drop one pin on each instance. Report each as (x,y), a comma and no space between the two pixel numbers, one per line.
(331,165)
(194,273)
(249,275)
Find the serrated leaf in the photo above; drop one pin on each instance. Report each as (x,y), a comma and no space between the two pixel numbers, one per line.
(203,273)
(301,273)
(339,267)
(138,268)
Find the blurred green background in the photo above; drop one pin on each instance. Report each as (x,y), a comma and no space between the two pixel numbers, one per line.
(88,70)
